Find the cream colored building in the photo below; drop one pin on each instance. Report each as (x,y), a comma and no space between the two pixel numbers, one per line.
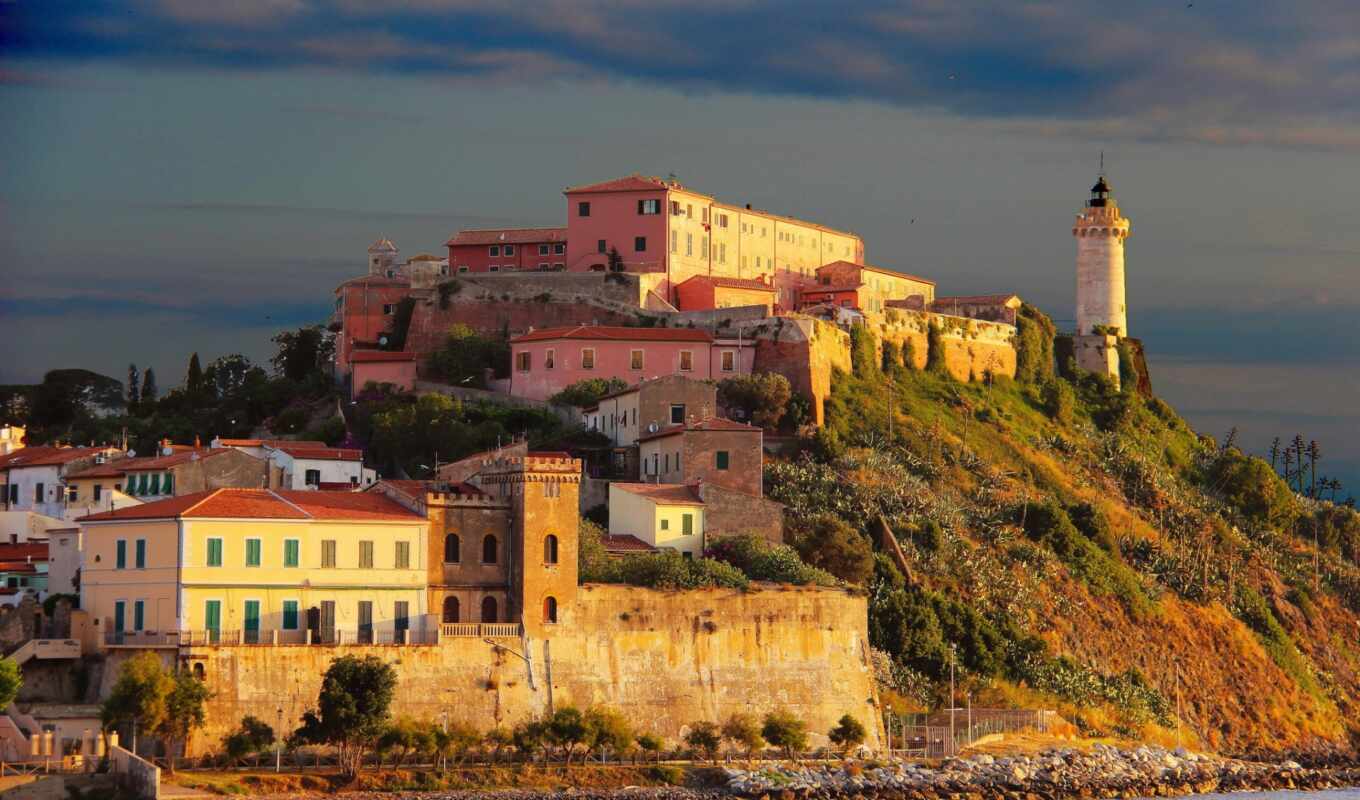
(257,565)
(662,515)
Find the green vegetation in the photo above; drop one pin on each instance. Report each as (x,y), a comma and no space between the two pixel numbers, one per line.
(785,731)
(763,397)
(731,562)
(743,731)
(467,357)
(250,737)
(848,734)
(705,737)
(11,680)
(352,709)
(587,392)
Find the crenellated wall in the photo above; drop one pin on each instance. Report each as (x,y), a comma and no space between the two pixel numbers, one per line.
(665,659)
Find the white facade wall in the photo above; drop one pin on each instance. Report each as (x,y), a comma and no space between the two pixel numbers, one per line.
(28,479)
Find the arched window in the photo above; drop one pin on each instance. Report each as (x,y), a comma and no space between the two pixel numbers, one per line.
(452,549)
(451,609)
(550,609)
(489,549)
(198,670)
(550,549)
(489,608)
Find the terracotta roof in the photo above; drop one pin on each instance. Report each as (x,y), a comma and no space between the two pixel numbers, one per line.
(978,299)
(417,489)
(710,424)
(624,543)
(321,453)
(110,469)
(336,486)
(628,183)
(265,504)
(269,442)
(19,566)
(174,459)
(489,236)
(617,334)
(732,283)
(819,288)
(47,456)
(23,551)
(881,270)
(377,356)
(674,494)
(375,280)
(424,257)
(382,244)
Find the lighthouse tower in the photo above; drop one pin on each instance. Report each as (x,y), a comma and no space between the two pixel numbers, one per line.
(1100,231)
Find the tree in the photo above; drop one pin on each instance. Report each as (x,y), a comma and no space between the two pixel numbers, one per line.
(566,729)
(832,544)
(139,696)
(134,393)
(586,392)
(615,260)
(705,737)
(743,731)
(193,379)
(227,375)
(864,357)
(935,359)
(458,738)
(253,736)
(529,737)
(149,390)
(11,679)
(607,729)
(405,738)
(498,739)
(183,712)
(782,729)
(763,397)
(352,709)
(848,734)
(467,355)
(303,353)
(650,744)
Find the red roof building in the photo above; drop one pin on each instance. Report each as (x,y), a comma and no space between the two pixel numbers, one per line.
(508,250)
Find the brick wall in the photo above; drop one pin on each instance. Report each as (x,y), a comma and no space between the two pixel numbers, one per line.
(730,513)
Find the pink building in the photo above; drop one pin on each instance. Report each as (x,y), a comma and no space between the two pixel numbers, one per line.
(382,366)
(508,250)
(659,226)
(545,362)
(864,287)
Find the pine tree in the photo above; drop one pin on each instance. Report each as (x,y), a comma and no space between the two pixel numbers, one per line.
(149,386)
(133,391)
(193,381)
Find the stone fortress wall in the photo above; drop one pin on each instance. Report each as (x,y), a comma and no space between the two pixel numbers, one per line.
(665,659)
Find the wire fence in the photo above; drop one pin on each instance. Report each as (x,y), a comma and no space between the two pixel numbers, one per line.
(944,733)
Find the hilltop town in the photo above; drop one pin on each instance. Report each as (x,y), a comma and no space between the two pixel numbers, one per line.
(749,472)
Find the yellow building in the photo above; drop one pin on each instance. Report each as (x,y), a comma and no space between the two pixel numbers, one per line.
(664,515)
(258,565)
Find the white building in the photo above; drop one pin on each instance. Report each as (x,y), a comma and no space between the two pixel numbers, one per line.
(33,476)
(311,467)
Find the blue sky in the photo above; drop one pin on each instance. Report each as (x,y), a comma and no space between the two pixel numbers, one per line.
(179,175)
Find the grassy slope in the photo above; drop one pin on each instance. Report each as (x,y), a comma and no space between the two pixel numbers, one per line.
(970,456)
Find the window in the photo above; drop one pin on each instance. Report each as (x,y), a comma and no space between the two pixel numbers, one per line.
(689,244)
(388,308)
(313,477)
(494,251)
(635,359)
(583,209)
(722,253)
(290,552)
(98,491)
(290,615)
(366,555)
(722,220)
(640,244)
(549,358)
(120,559)
(689,210)
(522,361)
(489,611)
(214,552)
(677,413)
(401,619)
(550,609)
(365,621)
(138,614)
(489,549)
(140,558)
(37,493)
(452,550)
(403,556)
(705,213)
(558,265)
(686,360)
(328,553)
(156,483)
(729,361)
(450,609)
(508,250)
(252,552)
(587,358)
(667,462)
(493,268)
(167,484)
(675,241)
(119,607)
(543,249)
(665,524)
(550,549)
(462,269)
(601,246)
(722,459)
(72,494)
(542,266)
(687,524)
(648,207)
(559,249)
(703,245)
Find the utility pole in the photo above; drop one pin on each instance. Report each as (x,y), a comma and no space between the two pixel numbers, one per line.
(953,744)
(278,743)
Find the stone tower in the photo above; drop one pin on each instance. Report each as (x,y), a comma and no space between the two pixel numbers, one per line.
(1100,231)
(382,258)
(543,490)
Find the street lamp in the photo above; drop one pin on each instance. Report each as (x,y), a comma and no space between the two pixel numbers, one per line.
(278,742)
(527,662)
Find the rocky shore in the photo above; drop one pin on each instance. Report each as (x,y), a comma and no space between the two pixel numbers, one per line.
(1102,771)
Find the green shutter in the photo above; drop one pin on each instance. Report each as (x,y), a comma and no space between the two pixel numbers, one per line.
(290,552)
(138,615)
(722,459)
(168,486)
(141,554)
(118,608)
(687,524)
(252,552)
(121,561)
(156,483)
(212,615)
(214,552)
(290,615)
(142,483)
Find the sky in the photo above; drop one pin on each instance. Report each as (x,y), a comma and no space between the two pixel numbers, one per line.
(180,176)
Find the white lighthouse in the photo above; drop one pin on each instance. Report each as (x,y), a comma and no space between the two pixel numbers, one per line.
(1100,231)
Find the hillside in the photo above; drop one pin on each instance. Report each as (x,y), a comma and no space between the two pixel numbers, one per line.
(1075,547)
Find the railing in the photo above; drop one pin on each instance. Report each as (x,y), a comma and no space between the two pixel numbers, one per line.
(141,638)
(46,648)
(291,638)
(501,629)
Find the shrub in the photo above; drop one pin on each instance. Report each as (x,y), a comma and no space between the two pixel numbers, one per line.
(935,359)
(607,729)
(785,731)
(763,561)
(669,570)
(566,729)
(743,732)
(1092,523)
(1048,524)
(649,743)
(586,392)
(1255,612)
(467,355)
(762,397)
(848,733)
(863,351)
(448,289)
(1034,346)
(1058,400)
(830,543)
(667,773)
(252,736)
(704,737)
(1251,486)
(928,536)
(405,738)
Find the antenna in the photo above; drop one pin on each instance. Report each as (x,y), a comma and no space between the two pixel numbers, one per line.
(1102,163)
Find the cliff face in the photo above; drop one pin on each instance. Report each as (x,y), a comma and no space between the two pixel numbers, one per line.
(664,659)
(1079,548)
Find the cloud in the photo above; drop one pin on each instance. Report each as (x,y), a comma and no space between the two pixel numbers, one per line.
(1216,72)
